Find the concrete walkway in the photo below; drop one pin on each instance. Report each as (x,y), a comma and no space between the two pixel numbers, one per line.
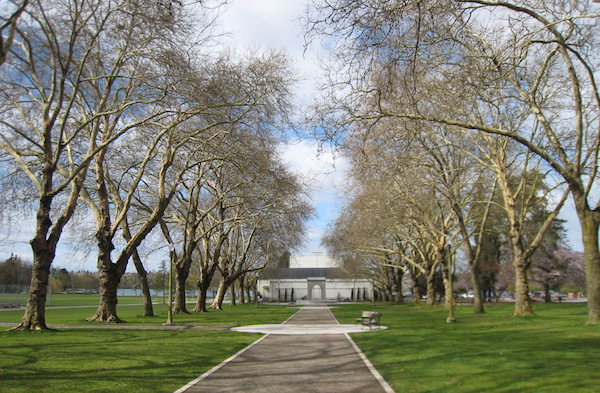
(321,359)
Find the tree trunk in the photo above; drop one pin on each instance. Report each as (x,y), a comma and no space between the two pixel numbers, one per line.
(203,284)
(547,295)
(180,279)
(109,282)
(217,303)
(201,300)
(399,274)
(139,267)
(431,288)
(255,290)
(249,292)
(242,290)
(233,295)
(110,276)
(522,299)
(416,292)
(477,298)
(43,245)
(448,290)
(590,221)
(35,312)
(473,255)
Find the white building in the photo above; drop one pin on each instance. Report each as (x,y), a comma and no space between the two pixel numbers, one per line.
(316,259)
(314,277)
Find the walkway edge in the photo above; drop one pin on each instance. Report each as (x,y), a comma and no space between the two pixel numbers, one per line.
(378,377)
(370,366)
(216,368)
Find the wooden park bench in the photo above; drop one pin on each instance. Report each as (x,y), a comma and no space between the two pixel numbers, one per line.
(369,318)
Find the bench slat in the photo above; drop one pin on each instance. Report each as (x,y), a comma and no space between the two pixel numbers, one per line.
(369,318)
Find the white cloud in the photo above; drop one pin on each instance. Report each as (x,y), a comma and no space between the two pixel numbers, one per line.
(273,24)
(276,24)
(326,176)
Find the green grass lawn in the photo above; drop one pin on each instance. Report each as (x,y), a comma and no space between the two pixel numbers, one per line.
(79,299)
(552,351)
(68,300)
(130,310)
(101,360)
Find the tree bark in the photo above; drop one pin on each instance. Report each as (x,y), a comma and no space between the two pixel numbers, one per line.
(148,308)
(522,298)
(141,271)
(201,300)
(43,246)
(243,290)
(399,274)
(109,282)
(449,293)
(203,284)
(43,255)
(589,231)
(475,283)
(431,288)
(472,257)
(35,312)
(233,294)
(547,294)
(181,275)
(217,303)
(449,303)
(416,292)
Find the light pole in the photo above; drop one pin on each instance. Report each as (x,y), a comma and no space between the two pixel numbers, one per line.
(170,310)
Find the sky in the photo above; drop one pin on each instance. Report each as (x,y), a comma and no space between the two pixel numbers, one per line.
(275,24)
(266,24)
(250,25)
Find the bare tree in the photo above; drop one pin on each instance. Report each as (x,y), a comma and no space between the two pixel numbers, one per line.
(43,129)
(535,57)
(8,28)
(263,213)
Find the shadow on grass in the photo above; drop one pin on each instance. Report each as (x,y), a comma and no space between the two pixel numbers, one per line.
(108,360)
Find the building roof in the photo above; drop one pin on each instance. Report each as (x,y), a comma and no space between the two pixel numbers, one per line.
(302,273)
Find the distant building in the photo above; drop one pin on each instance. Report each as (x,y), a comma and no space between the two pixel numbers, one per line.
(314,277)
(316,259)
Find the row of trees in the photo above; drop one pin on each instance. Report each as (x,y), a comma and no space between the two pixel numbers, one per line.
(120,116)
(15,276)
(16,273)
(468,123)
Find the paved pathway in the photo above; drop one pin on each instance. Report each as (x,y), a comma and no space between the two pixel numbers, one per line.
(302,362)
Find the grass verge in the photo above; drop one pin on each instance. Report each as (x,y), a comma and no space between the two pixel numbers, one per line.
(100,360)
(131,311)
(108,360)
(551,351)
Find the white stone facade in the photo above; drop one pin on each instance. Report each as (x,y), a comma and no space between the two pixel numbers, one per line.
(316,259)
(318,288)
